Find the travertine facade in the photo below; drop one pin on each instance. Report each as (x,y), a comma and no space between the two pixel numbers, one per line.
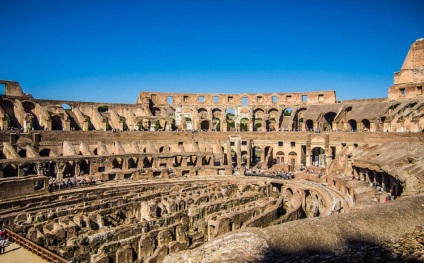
(170,168)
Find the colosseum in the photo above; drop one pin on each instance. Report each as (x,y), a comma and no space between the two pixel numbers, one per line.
(175,177)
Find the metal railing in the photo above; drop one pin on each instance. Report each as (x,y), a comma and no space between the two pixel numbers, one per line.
(34,248)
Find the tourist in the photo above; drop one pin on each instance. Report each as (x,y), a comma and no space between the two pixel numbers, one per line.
(2,246)
(2,234)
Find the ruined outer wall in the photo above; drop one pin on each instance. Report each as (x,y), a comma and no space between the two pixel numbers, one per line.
(233,100)
(408,82)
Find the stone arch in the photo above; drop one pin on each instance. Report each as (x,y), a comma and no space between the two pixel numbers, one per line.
(117,163)
(329,118)
(309,125)
(216,118)
(147,163)
(244,124)
(366,124)
(10,170)
(9,109)
(22,153)
(56,123)
(352,125)
(318,156)
(84,166)
(66,106)
(155,111)
(258,119)
(103,109)
(202,113)
(292,158)
(256,155)
(244,156)
(279,157)
(49,169)
(273,119)
(206,160)
(29,108)
(300,119)
(69,169)
(234,159)
(230,117)
(45,152)
(204,125)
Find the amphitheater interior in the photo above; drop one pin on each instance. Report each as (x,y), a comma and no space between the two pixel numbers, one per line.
(265,177)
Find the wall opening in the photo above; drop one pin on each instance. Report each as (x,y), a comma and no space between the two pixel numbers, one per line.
(170,100)
(274,99)
(215,99)
(304,98)
(244,101)
(201,99)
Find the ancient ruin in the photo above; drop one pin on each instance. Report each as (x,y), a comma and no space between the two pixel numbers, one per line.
(218,177)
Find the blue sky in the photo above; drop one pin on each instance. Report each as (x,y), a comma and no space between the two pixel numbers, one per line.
(107,51)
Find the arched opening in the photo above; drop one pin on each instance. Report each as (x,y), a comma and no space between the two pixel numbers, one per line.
(22,153)
(132,163)
(256,155)
(258,117)
(157,126)
(56,123)
(216,119)
(66,107)
(272,123)
(29,108)
(206,160)
(279,157)
(144,125)
(69,170)
(366,125)
(9,109)
(117,163)
(204,125)
(49,169)
(147,163)
(292,159)
(155,111)
(230,116)
(84,167)
(29,169)
(352,126)
(202,113)
(309,125)
(244,124)
(45,153)
(10,170)
(329,118)
(234,158)
(318,157)
(103,109)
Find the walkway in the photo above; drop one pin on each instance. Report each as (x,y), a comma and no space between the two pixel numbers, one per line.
(17,254)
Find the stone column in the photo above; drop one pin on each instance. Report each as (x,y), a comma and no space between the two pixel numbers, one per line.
(229,160)
(328,158)
(249,151)
(238,151)
(60,168)
(184,161)
(77,170)
(308,149)
(39,167)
